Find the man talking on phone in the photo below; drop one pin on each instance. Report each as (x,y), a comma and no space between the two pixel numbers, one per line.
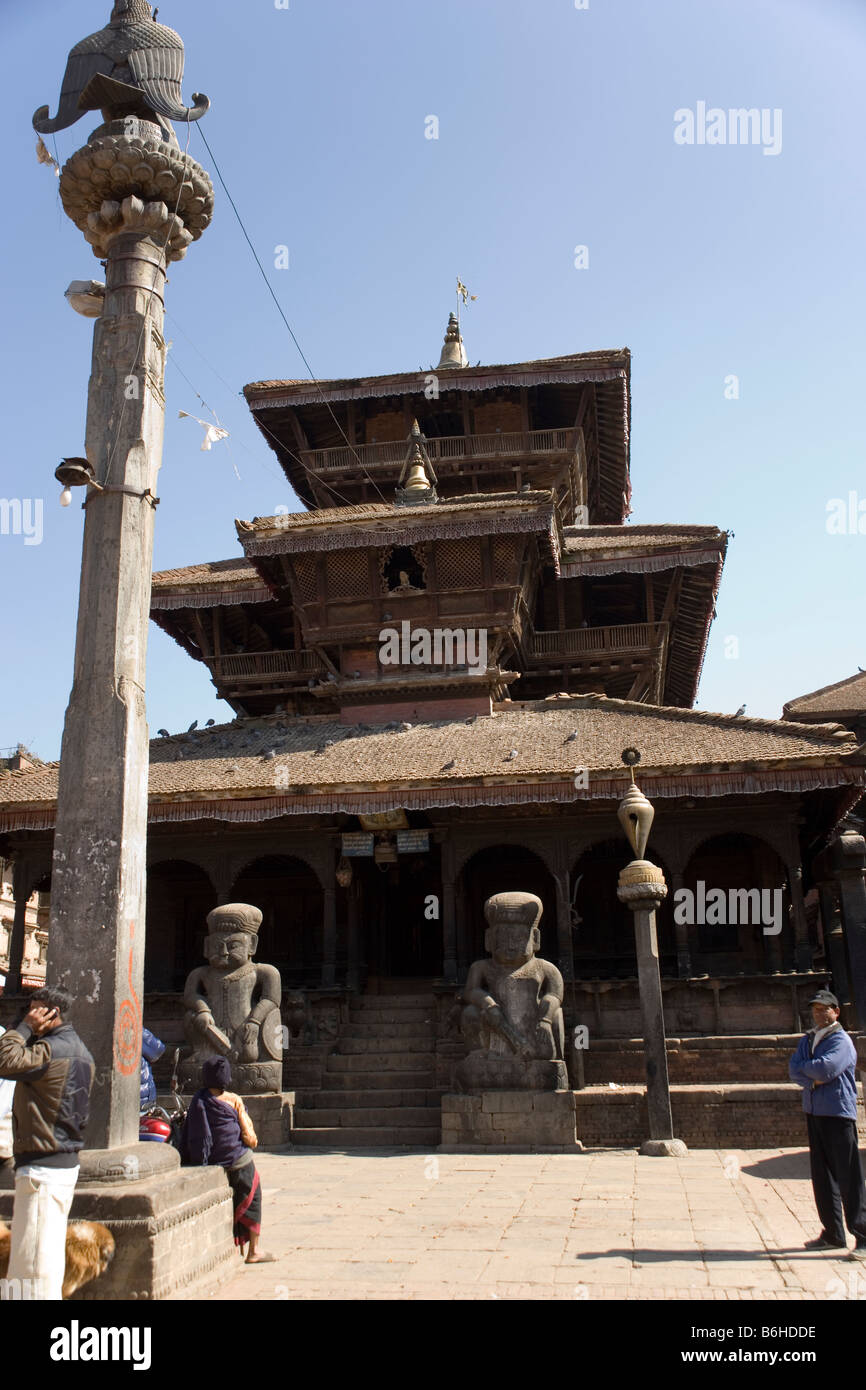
(53,1072)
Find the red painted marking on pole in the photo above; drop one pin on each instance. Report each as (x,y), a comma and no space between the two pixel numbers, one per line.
(127,1029)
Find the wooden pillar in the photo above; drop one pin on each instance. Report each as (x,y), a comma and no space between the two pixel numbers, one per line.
(22,878)
(449,914)
(329,927)
(563,924)
(849,871)
(834,941)
(681,930)
(802,946)
(463,961)
(352,972)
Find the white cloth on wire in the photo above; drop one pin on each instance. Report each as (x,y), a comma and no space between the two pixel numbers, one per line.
(212,433)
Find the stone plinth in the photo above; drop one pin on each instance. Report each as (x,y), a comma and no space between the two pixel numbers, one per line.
(510,1122)
(272,1116)
(169,1230)
(487,1071)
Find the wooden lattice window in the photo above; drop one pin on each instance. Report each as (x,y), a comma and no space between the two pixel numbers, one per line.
(458,565)
(304,567)
(504,568)
(348,575)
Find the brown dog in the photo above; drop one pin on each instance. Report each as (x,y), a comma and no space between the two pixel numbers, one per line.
(89,1252)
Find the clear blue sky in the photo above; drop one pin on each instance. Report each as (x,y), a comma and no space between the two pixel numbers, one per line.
(556,128)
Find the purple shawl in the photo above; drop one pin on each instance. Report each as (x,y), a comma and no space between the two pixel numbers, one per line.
(211,1132)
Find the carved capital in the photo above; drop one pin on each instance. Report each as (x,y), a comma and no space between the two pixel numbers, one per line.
(139,218)
(146,184)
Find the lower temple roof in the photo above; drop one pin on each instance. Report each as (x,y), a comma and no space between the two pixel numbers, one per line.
(257,769)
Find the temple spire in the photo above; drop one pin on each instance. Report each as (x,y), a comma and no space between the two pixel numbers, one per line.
(453,351)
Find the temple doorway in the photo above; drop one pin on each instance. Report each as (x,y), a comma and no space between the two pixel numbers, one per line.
(400,915)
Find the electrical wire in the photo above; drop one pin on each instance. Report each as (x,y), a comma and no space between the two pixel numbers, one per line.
(294,339)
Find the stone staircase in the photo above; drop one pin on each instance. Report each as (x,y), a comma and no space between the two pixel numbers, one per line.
(378,1086)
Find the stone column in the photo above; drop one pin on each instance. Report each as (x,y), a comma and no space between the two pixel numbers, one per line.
(22,878)
(159,200)
(642,888)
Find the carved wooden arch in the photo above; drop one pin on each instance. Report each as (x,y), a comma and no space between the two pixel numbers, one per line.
(545,854)
(661,849)
(312,862)
(32,869)
(778,842)
(160,858)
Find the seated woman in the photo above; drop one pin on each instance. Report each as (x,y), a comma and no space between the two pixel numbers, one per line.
(218,1130)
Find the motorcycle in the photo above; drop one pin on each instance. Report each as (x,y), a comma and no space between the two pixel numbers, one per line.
(159,1126)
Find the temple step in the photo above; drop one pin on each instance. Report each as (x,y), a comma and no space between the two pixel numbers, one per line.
(360,1081)
(342,1137)
(407,1117)
(379,1099)
(393,1001)
(387,1023)
(385,1047)
(378,1062)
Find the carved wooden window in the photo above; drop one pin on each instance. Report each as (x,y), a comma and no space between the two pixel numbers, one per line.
(458,565)
(403,569)
(348,575)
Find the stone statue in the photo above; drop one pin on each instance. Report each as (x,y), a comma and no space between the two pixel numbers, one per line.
(132,67)
(513,1018)
(232,1005)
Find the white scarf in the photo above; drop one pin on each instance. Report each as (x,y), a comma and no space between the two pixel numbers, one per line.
(821,1033)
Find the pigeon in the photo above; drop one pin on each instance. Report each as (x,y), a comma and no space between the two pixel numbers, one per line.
(210,723)
(405,727)
(193,726)
(572,736)
(268,754)
(509,757)
(163,733)
(446,767)
(741,710)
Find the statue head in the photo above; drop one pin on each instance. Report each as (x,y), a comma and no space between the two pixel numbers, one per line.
(512,936)
(233,932)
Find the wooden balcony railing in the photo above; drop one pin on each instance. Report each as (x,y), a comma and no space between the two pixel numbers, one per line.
(265,666)
(513,444)
(595,641)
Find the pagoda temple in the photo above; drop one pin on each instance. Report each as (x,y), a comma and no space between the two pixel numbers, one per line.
(433,670)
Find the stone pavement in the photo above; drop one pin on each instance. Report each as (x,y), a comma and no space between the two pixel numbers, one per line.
(398,1224)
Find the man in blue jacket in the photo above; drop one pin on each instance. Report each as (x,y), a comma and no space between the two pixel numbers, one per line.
(824,1066)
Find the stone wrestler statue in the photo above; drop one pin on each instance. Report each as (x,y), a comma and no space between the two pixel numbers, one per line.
(513,1016)
(232,1004)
